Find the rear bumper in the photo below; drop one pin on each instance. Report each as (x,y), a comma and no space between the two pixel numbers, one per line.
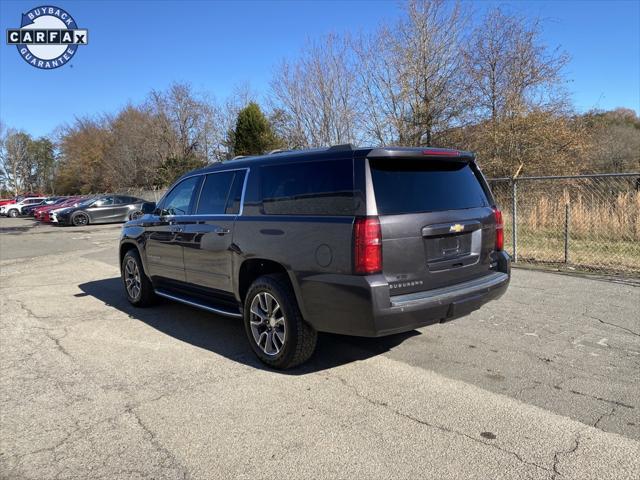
(362,306)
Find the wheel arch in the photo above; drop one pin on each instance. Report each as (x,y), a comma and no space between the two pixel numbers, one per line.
(252,268)
(126,246)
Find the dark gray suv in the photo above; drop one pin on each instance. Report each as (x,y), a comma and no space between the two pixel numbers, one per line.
(367,241)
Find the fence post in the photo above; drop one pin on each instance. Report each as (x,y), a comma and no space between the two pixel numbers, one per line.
(567,218)
(514,219)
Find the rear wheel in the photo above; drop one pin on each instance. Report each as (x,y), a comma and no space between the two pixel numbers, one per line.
(274,325)
(137,285)
(79,219)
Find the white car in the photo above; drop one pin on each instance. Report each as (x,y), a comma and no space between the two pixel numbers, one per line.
(13,209)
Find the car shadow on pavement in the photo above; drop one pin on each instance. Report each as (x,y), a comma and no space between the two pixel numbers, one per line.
(226,336)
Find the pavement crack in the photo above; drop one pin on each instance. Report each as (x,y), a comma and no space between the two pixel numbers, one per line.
(29,312)
(605,414)
(601,399)
(556,456)
(585,314)
(441,428)
(153,440)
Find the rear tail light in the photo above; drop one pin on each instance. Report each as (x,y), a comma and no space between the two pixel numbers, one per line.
(367,246)
(499,229)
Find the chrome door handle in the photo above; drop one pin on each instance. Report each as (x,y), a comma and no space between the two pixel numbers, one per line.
(221,231)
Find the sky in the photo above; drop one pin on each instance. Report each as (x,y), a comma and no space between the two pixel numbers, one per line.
(137,46)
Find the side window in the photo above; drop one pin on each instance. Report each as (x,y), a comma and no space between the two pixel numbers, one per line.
(103,202)
(120,200)
(312,188)
(235,196)
(215,193)
(178,199)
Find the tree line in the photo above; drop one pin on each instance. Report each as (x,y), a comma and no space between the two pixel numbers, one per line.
(432,78)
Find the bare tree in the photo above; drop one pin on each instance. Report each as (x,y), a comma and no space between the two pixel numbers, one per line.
(409,76)
(16,161)
(189,122)
(314,97)
(135,152)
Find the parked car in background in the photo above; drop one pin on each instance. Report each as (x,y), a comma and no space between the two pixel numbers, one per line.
(41,212)
(17,198)
(101,209)
(29,209)
(14,209)
(367,242)
(50,216)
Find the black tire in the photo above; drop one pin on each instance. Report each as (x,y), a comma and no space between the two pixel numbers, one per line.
(146,296)
(13,213)
(300,337)
(79,219)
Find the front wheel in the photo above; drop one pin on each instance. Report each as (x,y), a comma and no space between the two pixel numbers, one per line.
(277,333)
(80,219)
(137,285)
(13,213)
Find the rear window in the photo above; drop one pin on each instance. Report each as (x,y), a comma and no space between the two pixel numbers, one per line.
(410,186)
(311,188)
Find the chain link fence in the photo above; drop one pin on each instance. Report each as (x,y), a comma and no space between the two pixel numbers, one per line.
(587,222)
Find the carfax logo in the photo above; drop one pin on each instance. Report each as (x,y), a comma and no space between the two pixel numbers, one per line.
(48,37)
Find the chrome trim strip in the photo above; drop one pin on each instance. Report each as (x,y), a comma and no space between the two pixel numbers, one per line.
(244,190)
(371,204)
(198,305)
(443,295)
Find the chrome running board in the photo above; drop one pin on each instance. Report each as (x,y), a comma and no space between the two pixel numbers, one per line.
(199,305)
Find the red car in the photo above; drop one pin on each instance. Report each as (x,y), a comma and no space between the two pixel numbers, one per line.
(39,211)
(10,200)
(17,198)
(44,213)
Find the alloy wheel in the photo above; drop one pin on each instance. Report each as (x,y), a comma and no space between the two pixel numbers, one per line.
(132,278)
(80,220)
(267,323)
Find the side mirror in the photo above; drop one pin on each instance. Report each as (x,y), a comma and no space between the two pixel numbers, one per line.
(148,207)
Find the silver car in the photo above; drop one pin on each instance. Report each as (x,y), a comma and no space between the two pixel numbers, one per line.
(101,209)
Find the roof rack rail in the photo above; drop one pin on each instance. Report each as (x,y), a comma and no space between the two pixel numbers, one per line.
(344,146)
(238,156)
(278,150)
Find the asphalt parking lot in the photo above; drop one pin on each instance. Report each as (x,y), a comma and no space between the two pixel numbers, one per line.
(542,384)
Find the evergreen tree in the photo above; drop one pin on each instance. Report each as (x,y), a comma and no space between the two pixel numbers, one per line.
(253,133)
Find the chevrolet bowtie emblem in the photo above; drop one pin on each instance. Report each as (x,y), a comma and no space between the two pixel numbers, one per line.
(456,228)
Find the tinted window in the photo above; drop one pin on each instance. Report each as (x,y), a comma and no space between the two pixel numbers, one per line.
(177,200)
(215,193)
(103,202)
(410,186)
(313,188)
(235,196)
